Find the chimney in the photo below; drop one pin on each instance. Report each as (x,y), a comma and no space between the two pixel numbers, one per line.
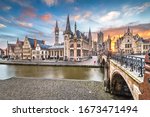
(35,43)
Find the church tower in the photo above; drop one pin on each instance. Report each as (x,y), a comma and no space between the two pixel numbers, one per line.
(56,34)
(67,36)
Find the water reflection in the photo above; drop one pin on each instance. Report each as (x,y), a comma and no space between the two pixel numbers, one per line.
(79,73)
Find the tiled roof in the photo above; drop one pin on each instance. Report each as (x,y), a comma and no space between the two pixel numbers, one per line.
(31,41)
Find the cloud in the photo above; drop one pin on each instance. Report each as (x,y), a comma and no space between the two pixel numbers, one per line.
(2,26)
(50,2)
(5,7)
(27,14)
(23,3)
(130,11)
(83,16)
(77,17)
(87,14)
(46,17)
(70,1)
(4,20)
(27,11)
(24,24)
(30,12)
(113,15)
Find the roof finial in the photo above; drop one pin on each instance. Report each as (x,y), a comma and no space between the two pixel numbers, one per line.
(75,27)
(128,30)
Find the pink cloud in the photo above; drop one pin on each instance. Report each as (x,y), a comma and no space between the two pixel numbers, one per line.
(46,17)
(30,12)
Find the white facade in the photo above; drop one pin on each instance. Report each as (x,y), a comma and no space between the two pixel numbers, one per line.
(40,54)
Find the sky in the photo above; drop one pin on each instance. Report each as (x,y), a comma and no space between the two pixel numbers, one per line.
(37,18)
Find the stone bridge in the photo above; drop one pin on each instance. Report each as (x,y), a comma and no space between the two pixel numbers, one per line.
(127,75)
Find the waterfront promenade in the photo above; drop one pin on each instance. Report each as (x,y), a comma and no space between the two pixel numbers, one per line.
(87,63)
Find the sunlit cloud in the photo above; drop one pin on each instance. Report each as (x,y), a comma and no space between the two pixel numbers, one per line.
(82,16)
(77,17)
(113,15)
(2,26)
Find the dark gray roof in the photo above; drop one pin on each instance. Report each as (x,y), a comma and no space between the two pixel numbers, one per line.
(31,41)
(44,46)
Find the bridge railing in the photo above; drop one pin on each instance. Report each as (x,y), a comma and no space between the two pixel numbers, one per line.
(135,64)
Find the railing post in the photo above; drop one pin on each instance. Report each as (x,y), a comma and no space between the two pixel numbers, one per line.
(141,68)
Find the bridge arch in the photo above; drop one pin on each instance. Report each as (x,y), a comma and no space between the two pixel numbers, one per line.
(119,86)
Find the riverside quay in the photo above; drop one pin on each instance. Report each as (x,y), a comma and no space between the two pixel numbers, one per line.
(74,50)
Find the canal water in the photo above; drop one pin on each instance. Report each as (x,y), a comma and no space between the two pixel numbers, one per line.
(77,73)
(51,72)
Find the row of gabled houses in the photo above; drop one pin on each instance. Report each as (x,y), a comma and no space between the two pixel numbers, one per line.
(33,49)
(27,49)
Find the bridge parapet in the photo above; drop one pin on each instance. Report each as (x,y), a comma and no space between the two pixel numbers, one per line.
(135,64)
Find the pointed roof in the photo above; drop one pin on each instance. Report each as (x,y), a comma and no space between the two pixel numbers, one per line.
(128,30)
(56,28)
(90,35)
(128,33)
(68,28)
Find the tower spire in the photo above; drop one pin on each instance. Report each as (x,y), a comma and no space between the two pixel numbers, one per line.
(128,30)
(90,35)
(68,29)
(56,24)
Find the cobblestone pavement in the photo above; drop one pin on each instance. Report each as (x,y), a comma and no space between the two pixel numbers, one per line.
(51,89)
